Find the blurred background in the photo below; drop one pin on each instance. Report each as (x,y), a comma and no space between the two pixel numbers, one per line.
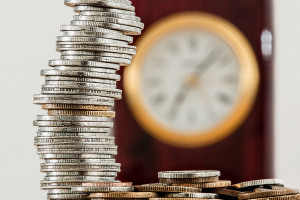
(169,119)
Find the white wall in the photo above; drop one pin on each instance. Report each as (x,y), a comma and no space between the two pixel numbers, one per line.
(28,30)
(287,96)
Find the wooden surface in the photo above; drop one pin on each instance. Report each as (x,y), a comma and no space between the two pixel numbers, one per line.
(247,153)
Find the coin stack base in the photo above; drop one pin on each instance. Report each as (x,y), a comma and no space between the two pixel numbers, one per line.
(79,93)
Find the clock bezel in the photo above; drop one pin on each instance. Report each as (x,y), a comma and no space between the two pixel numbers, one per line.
(249,79)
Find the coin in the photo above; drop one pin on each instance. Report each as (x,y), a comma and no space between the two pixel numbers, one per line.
(72,123)
(159,188)
(79,79)
(192,195)
(107,184)
(125,49)
(258,183)
(83,63)
(89,69)
(261,193)
(78,156)
(110,114)
(102,3)
(188,174)
(75,141)
(217,184)
(180,199)
(82,8)
(93,53)
(189,180)
(124,195)
(225,192)
(74,129)
(51,72)
(67,196)
(73,99)
(101,189)
(100,174)
(72,118)
(75,178)
(110,14)
(74,107)
(57,135)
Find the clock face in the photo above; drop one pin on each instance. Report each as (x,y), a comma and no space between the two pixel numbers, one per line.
(190,80)
(193,81)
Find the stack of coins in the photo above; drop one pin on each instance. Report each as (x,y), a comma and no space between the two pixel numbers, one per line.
(79,92)
(197,179)
(265,189)
(115,191)
(181,185)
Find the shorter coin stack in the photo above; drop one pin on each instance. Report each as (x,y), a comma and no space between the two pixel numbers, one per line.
(196,179)
(264,189)
(181,185)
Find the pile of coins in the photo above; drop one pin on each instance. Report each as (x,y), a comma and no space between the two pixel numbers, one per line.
(79,92)
(265,189)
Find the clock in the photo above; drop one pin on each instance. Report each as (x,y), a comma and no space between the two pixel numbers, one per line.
(193,81)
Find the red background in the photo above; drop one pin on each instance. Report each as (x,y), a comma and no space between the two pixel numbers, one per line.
(247,153)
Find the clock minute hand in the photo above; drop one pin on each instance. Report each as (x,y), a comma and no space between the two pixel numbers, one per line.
(204,65)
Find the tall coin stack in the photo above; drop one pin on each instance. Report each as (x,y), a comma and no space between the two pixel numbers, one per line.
(79,91)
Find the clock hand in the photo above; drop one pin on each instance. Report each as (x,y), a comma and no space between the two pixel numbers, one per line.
(204,65)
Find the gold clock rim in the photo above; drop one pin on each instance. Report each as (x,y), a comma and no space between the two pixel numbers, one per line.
(249,79)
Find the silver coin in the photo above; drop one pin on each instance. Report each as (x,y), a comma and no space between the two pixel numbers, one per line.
(82,84)
(80,180)
(74,129)
(76,178)
(70,135)
(128,22)
(83,63)
(77,156)
(51,72)
(107,14)
(75,90)
(89,69)
(100,174)
(126,49)
(102,3)
(80,161)
(76,151)
(45,185)
(72,123)
(80,8)
(101,189)
(188,174)
(93,53)
(90,40)
(72,118)
(79,79)
(126,38)
(67,196)
(121,61)
(192,195)
(70,141)
(89,28)
(82,168)
(61,191)
(258,183)
(128,2)
(126,29)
